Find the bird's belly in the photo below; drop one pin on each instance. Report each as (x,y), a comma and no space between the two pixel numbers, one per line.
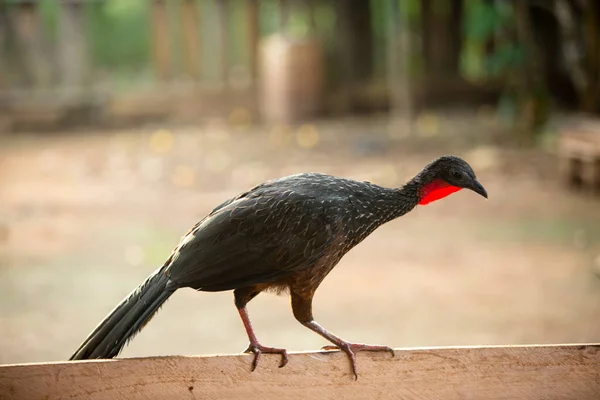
(306,282)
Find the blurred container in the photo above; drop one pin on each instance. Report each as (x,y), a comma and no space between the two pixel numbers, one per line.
(290,78)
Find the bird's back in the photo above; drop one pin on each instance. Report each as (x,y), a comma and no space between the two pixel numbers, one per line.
(271,231)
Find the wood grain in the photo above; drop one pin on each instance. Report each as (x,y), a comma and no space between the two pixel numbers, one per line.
(519,372)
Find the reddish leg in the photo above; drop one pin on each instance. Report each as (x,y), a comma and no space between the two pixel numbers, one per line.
(302,308)
(349,348)
(256,347)
(242,296)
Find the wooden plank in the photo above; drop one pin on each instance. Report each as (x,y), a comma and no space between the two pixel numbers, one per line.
(192,44)
(515,372)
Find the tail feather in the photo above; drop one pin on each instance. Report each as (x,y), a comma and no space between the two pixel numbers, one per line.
(127,319)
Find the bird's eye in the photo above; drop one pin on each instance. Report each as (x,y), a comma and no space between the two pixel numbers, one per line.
(457,174)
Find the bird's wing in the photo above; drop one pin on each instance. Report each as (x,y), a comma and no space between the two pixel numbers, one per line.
(258,237)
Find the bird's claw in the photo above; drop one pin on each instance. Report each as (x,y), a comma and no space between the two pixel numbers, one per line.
(259,349)
(352,348)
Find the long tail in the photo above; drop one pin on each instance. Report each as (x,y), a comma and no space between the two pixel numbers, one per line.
(127,319)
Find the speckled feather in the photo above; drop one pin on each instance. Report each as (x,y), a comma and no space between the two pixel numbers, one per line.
(282,227)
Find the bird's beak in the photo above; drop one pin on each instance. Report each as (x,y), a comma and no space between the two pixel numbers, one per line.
(478,188)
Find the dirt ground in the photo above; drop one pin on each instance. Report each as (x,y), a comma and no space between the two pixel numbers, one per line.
(86,216)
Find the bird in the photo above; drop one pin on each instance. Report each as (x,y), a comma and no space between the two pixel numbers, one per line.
(284,236)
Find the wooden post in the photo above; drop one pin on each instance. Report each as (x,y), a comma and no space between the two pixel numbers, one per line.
(27,57)
(161,45)
(223,33)
(291,85)
(253,36)
(193,46)
(74,65)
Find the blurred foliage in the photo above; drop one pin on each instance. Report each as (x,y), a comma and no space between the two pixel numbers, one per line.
(487,22)
(49,13)
(120,33)
(494,50)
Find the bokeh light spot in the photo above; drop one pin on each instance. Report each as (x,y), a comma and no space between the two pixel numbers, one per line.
(134,255)
(217,161)
(280,135)
(307,136)
(184,176)
(162,141)
(240,118)
(428,124)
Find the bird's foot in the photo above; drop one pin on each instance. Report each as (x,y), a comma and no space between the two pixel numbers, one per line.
(259,349)
(352,348)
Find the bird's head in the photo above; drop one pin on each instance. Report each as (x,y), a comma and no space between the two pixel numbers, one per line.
(444,176)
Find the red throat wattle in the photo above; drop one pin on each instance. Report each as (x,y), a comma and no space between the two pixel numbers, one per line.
(436,190)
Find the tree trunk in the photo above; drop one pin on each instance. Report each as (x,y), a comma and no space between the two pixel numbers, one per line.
(441,30)
(584,71)
(441,27)
(354,50)
(531,91)
(591,94)
(399,83)
(360,37)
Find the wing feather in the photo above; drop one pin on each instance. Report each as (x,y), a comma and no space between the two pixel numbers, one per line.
(258,237)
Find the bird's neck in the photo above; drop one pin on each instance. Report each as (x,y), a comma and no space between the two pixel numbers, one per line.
(391,203)
(402,200)
(378,206)
(422,189)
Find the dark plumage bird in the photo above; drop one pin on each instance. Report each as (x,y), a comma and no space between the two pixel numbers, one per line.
(283,235)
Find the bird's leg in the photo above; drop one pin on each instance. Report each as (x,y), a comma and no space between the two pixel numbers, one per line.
(242,297)
(302,308)
(257,348)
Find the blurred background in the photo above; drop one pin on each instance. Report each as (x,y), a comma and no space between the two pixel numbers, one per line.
(122,123)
